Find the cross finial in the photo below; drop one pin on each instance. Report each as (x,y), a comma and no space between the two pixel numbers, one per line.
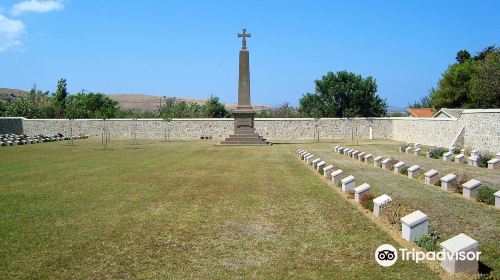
(244,35)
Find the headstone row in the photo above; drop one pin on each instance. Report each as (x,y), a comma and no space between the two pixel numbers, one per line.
(16,139)
(460,158)
(415,224)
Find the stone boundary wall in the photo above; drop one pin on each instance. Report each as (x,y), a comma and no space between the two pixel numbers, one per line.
(482,129)
(475,128)
(426,131)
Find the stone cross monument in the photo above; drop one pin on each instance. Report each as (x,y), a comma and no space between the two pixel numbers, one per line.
(244,131)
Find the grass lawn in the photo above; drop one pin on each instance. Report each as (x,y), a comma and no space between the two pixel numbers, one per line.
(179,210)
(449,213)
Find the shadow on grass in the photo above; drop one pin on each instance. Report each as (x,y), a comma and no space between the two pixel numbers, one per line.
(484,269)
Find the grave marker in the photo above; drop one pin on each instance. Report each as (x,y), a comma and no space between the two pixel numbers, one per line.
(327,170)
(448,181)
(377,161)
(447,156)
(387,164)
(431,177)
(398,167)
(460,159)
(379,203)
(337,176)
(470,188)
(494,163)
(451,247)
(414,225)
(348,183)
(363,189)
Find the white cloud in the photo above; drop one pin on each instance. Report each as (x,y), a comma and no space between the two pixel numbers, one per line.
(10,33)
(36,6)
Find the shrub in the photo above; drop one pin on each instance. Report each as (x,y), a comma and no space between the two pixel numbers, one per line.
(394,211)
(456,151)
(429,242)
(452,158)
(367,201)
(437,152)
(462,179)
(369,205)
(403,147)
(482,161)
(404,170)
(350,194)
(485,195)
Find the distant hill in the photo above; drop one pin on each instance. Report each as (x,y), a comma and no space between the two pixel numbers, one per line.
(145,102)
(10,94)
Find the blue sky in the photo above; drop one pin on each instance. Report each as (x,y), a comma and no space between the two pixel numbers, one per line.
(190,48)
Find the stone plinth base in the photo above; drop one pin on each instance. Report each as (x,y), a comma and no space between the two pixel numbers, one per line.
(244,131)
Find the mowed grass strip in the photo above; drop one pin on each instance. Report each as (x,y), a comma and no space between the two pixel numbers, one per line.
(179,210)
(449,213)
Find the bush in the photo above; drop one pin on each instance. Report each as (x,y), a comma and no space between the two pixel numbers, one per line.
(482,161)
(403,147)
(462,179)
(456,151)
(350,194)
(394,211)
(404,171)
(429,242)
(485,195)
(367,201)
(437,152)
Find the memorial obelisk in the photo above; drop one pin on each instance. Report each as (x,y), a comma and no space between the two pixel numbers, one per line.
(244,130)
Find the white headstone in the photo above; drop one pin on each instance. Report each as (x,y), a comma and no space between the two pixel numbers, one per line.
(448,181)
(379,202)
(414,225)
(408,150)
(413,171)
(377,161)
(470,188)
(473,160)
(348,183)
(452,247)
(493,163)
(460,158)
(371,133)
(313,163)
(431,177)
(361,190)
(398,167)
(387,163)
(447,156)
(497,155)
(327,170)
(361,156)
(337,175)
(320,165)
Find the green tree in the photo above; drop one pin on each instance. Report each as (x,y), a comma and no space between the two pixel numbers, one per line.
(343,94)
(285,110)
(454,88)
(485,89)
(463,56)
(214,109)
(91,105)
(180,109)
(60,98)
